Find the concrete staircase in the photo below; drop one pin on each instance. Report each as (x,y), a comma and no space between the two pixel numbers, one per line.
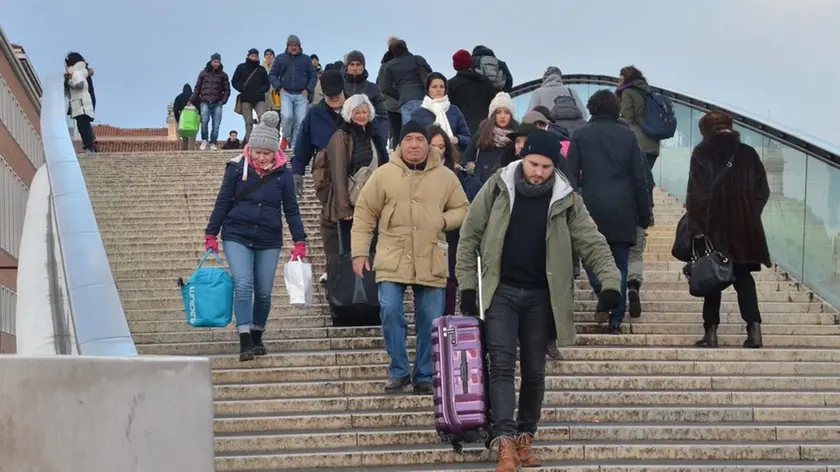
(641,401)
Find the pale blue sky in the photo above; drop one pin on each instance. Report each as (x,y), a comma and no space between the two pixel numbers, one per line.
(757,55)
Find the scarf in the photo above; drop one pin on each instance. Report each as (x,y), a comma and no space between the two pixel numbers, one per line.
(529,190)
(500,136)
(438,107)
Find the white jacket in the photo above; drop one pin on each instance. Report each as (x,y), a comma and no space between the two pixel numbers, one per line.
(81,102)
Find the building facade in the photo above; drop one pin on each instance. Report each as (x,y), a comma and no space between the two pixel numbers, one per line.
(21,154)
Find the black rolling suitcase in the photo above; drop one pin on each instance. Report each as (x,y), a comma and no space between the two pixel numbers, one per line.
(353,301)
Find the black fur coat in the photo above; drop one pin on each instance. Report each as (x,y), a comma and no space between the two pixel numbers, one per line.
(730,214)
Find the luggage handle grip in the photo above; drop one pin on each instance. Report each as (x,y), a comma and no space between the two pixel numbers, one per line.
(480,290)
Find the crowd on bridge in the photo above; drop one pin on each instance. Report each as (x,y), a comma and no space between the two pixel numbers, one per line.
(422,173)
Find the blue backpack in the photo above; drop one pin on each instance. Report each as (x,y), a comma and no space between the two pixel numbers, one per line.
(208,295)
(660,122)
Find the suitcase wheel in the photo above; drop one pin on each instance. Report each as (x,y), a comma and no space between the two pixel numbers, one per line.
(457,447)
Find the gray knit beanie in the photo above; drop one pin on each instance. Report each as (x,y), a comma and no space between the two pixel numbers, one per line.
(293,39)
(265,135)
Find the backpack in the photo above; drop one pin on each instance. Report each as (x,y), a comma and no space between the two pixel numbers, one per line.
(489,67)
(566,108)
(659,122)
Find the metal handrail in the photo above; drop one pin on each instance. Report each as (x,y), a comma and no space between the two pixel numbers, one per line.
(100,325)
(810,145)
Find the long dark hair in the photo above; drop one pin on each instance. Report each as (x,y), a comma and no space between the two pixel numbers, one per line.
(486,136)
(451,156)
(72,58)
(631,73)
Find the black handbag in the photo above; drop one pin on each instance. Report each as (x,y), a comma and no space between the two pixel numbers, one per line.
(709,273)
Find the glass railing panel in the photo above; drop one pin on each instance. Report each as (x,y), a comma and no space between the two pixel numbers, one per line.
(671,171)
(785,213)
(822,230)
(520,105)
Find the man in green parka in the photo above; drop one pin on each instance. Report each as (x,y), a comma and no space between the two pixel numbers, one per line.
(523,223)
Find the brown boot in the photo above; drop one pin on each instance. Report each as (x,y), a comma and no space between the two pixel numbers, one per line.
(526,454)
(508,458)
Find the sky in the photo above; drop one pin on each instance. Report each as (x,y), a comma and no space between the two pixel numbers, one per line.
(760,56)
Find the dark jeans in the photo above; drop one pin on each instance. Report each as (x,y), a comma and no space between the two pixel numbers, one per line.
(524,316)
(85,127)
(747,299)
(621,254)
(395,125)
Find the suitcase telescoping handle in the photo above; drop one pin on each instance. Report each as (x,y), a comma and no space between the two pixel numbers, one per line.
(480,290)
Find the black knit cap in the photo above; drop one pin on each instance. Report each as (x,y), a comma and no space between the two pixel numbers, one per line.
(332,83)
(543,143)
(436,75)
(413,127)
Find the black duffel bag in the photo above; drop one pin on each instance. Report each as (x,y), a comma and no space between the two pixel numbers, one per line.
(353,300)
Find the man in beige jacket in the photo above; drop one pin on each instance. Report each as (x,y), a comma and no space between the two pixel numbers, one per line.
(411,201)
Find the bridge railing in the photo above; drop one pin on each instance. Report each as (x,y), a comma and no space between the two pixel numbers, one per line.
(802,218)
(94,318)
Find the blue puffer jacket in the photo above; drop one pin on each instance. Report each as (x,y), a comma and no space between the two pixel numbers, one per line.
(456,121)
(293,73)
(471,186)
(257,221)
(319,125)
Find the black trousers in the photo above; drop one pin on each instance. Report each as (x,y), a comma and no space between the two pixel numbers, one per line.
(747,299)
(84,124)
(523,316)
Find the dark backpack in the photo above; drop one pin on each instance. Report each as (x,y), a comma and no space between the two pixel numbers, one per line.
(659,122)
(489,67)
(566,108)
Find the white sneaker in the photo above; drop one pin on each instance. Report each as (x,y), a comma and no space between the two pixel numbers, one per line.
(213,147)
(323,278)
(203,146)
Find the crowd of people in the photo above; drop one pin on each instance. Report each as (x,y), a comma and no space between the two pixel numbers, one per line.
(434,172)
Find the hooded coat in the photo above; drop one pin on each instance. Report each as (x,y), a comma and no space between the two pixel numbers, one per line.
(181,101)
(729,214)
(551,88)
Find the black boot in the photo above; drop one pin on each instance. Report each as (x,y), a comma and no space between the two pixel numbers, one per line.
(246,347)
(256,339)
(754,339)
(710,338)
(634,301)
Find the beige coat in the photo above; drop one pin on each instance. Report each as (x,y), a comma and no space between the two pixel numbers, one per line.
(412,210)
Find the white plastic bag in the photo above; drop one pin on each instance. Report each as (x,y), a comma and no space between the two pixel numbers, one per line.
(298,277)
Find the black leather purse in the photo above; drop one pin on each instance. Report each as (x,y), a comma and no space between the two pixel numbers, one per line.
(708,273)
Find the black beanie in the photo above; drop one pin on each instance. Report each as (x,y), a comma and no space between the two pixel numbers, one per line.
(436,75)
(332,83)
(413,127)
(355,56)
(253,51)
(543,143)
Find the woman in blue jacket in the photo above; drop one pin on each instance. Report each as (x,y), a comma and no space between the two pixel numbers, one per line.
(437,110)
(451,159)
(257,190)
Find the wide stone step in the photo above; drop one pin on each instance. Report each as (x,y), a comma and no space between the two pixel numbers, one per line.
(645,450)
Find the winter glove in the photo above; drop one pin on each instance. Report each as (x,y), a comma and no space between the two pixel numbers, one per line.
(210,242)
(299,251)
(608,300)
(469,303)
(299,185)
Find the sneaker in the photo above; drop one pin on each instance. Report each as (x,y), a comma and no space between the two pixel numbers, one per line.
(284,144)
(203,146)
(323,278)
(397,385)
(213,147)
(424,388)
(634,301)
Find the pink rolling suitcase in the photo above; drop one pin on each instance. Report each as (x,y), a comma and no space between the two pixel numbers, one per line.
(461,402)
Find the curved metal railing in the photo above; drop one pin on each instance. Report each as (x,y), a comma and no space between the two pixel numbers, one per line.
(96,311)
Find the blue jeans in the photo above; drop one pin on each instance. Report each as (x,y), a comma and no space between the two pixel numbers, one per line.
(211,110)
(293,108)
(621,254)
(429,306)
(408,108)
(253,277)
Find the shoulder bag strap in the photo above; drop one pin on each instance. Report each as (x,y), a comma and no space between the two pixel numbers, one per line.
(249,78)
(248,191)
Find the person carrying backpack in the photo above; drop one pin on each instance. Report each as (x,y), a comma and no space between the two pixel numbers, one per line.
(567,109)
(651,117)
(487,64)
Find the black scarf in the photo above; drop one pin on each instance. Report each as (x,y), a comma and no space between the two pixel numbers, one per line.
(529,190)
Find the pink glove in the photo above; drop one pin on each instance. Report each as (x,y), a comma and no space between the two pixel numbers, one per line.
(210,242)
(299,251)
